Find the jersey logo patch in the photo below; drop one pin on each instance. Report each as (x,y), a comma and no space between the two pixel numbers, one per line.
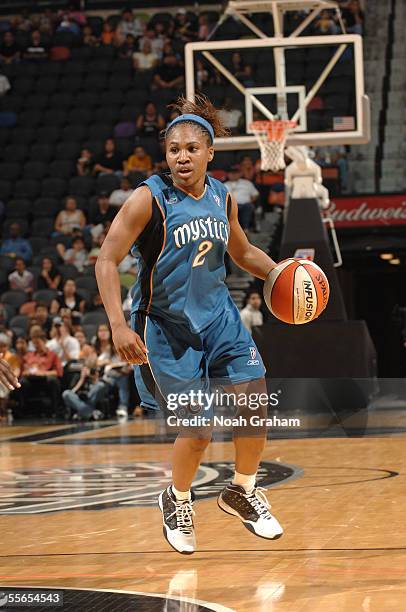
(216,198)
(253,353)
(173,200)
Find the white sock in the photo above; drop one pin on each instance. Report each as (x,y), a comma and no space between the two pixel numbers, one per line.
(181,495)
(247,481)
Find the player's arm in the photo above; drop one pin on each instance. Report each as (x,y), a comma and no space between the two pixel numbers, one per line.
(124,231)
(247,256)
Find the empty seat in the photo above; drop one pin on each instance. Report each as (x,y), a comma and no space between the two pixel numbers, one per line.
(94,318)
(82,185)
(95,82)
(86,99)
(10,171)
(67,150)
(61,100)
(45,207)
(45,295)
(23,135)
(41,152)
(18,208)
(49,134)
(35,170)
(87,282)
(56,116)
(37,243)
(107,183)
(30,118)
(61,169)
(16,152)
(27,188)
(19,322)
(15,298)
(68,271)
(23,86)
(5,189)
(100,130)
(74,67)
(107,114)
(53,187)
(80,115)
(43,226)
(70,84)
(75,132)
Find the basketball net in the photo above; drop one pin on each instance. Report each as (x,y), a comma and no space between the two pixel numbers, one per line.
(271,137)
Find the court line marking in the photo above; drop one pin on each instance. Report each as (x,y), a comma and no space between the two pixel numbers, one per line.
(211,606)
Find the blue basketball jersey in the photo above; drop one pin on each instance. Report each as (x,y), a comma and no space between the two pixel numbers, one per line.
(180,254)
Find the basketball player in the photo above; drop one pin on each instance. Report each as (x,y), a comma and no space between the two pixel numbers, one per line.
(185,326)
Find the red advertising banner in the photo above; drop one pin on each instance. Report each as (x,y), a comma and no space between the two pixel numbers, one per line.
(368,210)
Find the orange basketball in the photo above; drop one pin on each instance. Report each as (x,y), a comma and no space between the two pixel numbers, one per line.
(296,291)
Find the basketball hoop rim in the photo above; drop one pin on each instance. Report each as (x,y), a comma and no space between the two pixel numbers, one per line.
(275,129)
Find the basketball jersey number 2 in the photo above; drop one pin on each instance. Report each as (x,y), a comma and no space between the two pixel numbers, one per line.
(203,248)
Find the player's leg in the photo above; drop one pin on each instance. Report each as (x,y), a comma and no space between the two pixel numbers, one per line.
(233,356)
(173,361)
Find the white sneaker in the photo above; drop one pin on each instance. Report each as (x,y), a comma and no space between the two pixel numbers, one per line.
(97,415)
(178,525)
(122,411)
(252,508)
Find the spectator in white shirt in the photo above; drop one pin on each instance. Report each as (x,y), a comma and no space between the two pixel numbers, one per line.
(157,42)
(251,314)
(231,117)
(62,342)
(245,193)
(119,196)
(130,25)
(145,59)
(77,255)
(21,278)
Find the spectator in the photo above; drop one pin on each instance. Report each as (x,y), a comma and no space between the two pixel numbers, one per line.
(185,28)
(145,59)
(353,16)
(238,67)
(108,162)
(150,122)
(156,42)
(101,212)
(130,25)
(42,370)
(119,196)
(62,342)
(9,50)
(86,350)
(97,243)
(83,398)
(67,24)
(84,164)
(49,277)
(326,24)
(41,317)
(245,194)
(139,161)
(231,116)
(116,372)
(70,218)
(36,50)
(21,278)
(88,37)
(169,74)
(247,167)
(69,299)
(15,246)
(204,28)
(128,48)
(21,348)
(202,75)
(4,85)
(251,315)
(12,360)
(77,255)
(107,35)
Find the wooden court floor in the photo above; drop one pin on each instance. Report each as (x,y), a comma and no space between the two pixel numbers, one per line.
(344,513)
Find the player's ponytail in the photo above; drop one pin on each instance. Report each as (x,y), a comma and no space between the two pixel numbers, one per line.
(202,107)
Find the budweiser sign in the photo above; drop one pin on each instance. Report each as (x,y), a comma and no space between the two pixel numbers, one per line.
(368,210)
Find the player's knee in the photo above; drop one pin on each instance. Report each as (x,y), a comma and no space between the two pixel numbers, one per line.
(197,445)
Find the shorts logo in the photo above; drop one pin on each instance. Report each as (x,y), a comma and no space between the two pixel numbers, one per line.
(216,199)
(253,353)
(172,200)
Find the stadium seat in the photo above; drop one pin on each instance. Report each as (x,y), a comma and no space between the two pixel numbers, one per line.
(86,99)
(30,118)
(99,66)
(112,98)
(45,295)
(81,185)
(61,101)
(19,322)
(90,331)
(87,282)
(5,133)
(108,114)
(68,271)
(23,86)
(129,113)
(80,115)
(95,146)
(39,101)
(7,263)
(75,132)
(61,169)
(56,116)
(120,82)
(35,170)
(26,188)
(37,243)
(122,66)
(100,130)
(41,152)
(12,102)
(48,134)
(43,226)
(18,208)
(70,84)
(67,151)
(107,183)
(45,207)
(104,52)
(74,67)
(5,189)
(82,53)
(94,318)
(95,82)
(16,152)
(46,85)
(23,135)
(14,297)
(53,187)
(10,171)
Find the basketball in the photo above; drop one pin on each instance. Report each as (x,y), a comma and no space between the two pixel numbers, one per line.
(296,291)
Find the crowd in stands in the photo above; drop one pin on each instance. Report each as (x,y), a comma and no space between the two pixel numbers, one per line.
(57,70)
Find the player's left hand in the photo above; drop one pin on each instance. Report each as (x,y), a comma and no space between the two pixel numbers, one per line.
(7,376)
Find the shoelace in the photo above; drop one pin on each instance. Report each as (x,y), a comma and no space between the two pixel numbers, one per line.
(184,513)
(259,501)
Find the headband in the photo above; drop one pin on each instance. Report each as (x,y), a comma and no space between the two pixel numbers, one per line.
(195,119)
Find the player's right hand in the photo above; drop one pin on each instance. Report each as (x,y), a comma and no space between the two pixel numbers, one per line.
(7,377)
(129,345)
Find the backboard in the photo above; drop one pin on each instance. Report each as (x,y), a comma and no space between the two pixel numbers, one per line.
(318,81)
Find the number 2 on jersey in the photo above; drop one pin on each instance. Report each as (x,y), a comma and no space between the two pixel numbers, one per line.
(203,248)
